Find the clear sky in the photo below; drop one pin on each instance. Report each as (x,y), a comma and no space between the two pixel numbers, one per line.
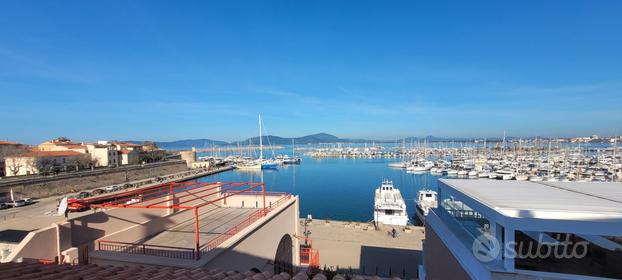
(167,70)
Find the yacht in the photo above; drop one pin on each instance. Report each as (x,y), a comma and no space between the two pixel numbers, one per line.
(389,206)
(269,164)
(417,169)
(292,160)
(249,165)
(399,164)
(505,174)
(426,199)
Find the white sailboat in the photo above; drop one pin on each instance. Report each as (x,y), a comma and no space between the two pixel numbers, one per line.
(260,163)
(265,164)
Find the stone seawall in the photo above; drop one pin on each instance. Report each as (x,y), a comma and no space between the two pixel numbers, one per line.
(40,186)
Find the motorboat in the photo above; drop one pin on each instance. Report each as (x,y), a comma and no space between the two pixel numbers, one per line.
(389,206)
(426,199)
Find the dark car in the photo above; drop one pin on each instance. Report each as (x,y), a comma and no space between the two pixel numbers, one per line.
(97,192)
(83,195)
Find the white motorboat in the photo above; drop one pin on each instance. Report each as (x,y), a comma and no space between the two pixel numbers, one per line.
(416,169)
(389,206)
(398,164)
(426,199)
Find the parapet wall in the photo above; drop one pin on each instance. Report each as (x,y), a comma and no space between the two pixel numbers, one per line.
(39,186)
(38,244)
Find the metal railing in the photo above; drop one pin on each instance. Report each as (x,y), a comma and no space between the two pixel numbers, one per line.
(187,253)
(310,257)
(215,242)
(146,249)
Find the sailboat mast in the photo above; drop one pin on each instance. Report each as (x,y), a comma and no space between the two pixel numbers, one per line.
(260,140)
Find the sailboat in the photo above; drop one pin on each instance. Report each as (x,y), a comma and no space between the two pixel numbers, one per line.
(258,163)
(291,160)
(265,164)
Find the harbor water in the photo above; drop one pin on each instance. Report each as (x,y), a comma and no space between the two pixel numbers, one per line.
(335,188)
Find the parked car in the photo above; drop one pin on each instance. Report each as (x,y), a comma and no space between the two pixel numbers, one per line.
(111,188)
(28,200)
(83,195)
(17,203)
(97,192)
(4,205)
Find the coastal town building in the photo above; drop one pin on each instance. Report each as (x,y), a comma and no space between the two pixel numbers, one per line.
(37,162)
(493,229)
(61,144)
(62,154)
(8,148)
(103,155)
(129,157)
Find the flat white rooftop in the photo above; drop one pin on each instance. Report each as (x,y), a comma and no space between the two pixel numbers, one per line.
(606,190)
(560,201)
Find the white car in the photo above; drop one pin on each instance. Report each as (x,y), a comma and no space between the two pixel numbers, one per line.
(17,203)
(111,188)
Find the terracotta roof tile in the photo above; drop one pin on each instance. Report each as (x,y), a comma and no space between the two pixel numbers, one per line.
(30,270)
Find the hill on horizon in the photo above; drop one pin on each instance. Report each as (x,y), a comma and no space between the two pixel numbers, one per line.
(316,138)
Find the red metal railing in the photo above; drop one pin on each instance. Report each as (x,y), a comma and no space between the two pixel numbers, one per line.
(187,253)
(145,249)
(308,255)
(215,242)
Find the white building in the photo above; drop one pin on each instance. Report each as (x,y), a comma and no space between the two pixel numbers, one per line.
(128,157)
(489,229)
(103,155)
(35,162)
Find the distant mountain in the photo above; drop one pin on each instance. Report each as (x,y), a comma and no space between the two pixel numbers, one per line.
(184,144)
(309,139)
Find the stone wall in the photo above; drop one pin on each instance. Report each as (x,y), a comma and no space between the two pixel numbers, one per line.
(44,186)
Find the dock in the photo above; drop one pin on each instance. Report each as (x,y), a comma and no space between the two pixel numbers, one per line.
(357,248)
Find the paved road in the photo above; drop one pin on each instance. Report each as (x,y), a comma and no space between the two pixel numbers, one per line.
(350,246)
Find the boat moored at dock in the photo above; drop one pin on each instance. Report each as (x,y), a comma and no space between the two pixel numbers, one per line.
(426,199)
(389,206)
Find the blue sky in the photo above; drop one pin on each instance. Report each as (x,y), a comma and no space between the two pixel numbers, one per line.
(168,70)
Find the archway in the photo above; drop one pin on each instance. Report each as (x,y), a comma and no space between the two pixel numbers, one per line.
(284,256)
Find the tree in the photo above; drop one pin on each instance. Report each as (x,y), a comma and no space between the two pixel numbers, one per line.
(149,157)
(62,139)
(82,162)
(14,165)
(45,166)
